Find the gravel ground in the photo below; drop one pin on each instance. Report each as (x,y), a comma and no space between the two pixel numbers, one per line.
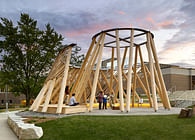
(134,111)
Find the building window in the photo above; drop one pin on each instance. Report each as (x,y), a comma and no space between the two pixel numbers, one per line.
(2,101)
(10,101)
(193,82)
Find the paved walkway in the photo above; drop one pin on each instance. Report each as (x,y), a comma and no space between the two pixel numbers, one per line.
(134,111)
(5,131)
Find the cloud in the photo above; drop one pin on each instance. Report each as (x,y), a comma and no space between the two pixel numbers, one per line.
(166,24)
(182,45)
(149,19)
(79,21)
(179,53)
(186,65)
(121,12)
(92,28)
(69,21)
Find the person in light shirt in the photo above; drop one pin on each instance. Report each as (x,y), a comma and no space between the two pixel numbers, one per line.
(73,100)
(141,101)
(105,97)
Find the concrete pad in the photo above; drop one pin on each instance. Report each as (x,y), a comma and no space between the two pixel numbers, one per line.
(135,111)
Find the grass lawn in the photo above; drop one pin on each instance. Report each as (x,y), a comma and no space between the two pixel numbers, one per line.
(167,127)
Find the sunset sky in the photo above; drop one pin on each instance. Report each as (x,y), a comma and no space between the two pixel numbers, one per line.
(171,21)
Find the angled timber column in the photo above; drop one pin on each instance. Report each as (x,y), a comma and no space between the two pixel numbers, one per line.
(98,83)
(145,77)
(73,78)
(124,56)
(85,97)
(105,79)
(86,75)
(70,75)
(119,72)
(129,77)
(48,95)
(159,88)
(64,80)
(87,71)
(134,77)
(116,89)
(164,91)
(140,82)
(118,86)
(111,72)
(156,80)
(83,66)
(95,80)
(151,63)
(37,98)
(42,92)
(33,106)
(55,95)
(90,88)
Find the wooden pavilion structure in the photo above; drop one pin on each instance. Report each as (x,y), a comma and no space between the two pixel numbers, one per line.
(137,46)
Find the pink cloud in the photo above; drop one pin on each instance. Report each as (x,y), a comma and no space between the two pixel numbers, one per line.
(177,46)
(138,19)
(95,28)
(149,19)
(87,30)
(165,23)
(121,12)
(131,25)
(150,22)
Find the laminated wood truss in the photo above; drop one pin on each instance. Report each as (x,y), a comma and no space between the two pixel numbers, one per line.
(121,80)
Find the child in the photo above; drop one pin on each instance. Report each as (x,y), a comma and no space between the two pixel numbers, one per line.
(141,101)
(105,97)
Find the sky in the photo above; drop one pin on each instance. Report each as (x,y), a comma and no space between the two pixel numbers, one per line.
(171,21)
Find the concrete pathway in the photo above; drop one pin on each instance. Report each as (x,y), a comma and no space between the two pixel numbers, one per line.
(5,131)
(134,111)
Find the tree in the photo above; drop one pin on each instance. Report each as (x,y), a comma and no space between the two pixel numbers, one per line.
(76,60)
(27,54)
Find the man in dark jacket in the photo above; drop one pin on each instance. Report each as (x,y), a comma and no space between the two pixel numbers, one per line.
(100,99)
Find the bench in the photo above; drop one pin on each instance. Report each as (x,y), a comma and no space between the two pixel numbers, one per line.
(65,109)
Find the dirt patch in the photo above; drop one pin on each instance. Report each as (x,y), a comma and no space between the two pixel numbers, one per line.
(36,120)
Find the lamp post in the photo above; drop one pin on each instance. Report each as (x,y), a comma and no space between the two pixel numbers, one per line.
(6,92)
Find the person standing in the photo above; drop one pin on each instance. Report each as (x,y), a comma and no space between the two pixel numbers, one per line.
(105,97)
(141,101)
(66,95)
(111,99)
(100,99)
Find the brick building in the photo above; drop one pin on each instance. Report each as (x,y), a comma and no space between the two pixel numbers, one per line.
(178,78)
(12,99)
